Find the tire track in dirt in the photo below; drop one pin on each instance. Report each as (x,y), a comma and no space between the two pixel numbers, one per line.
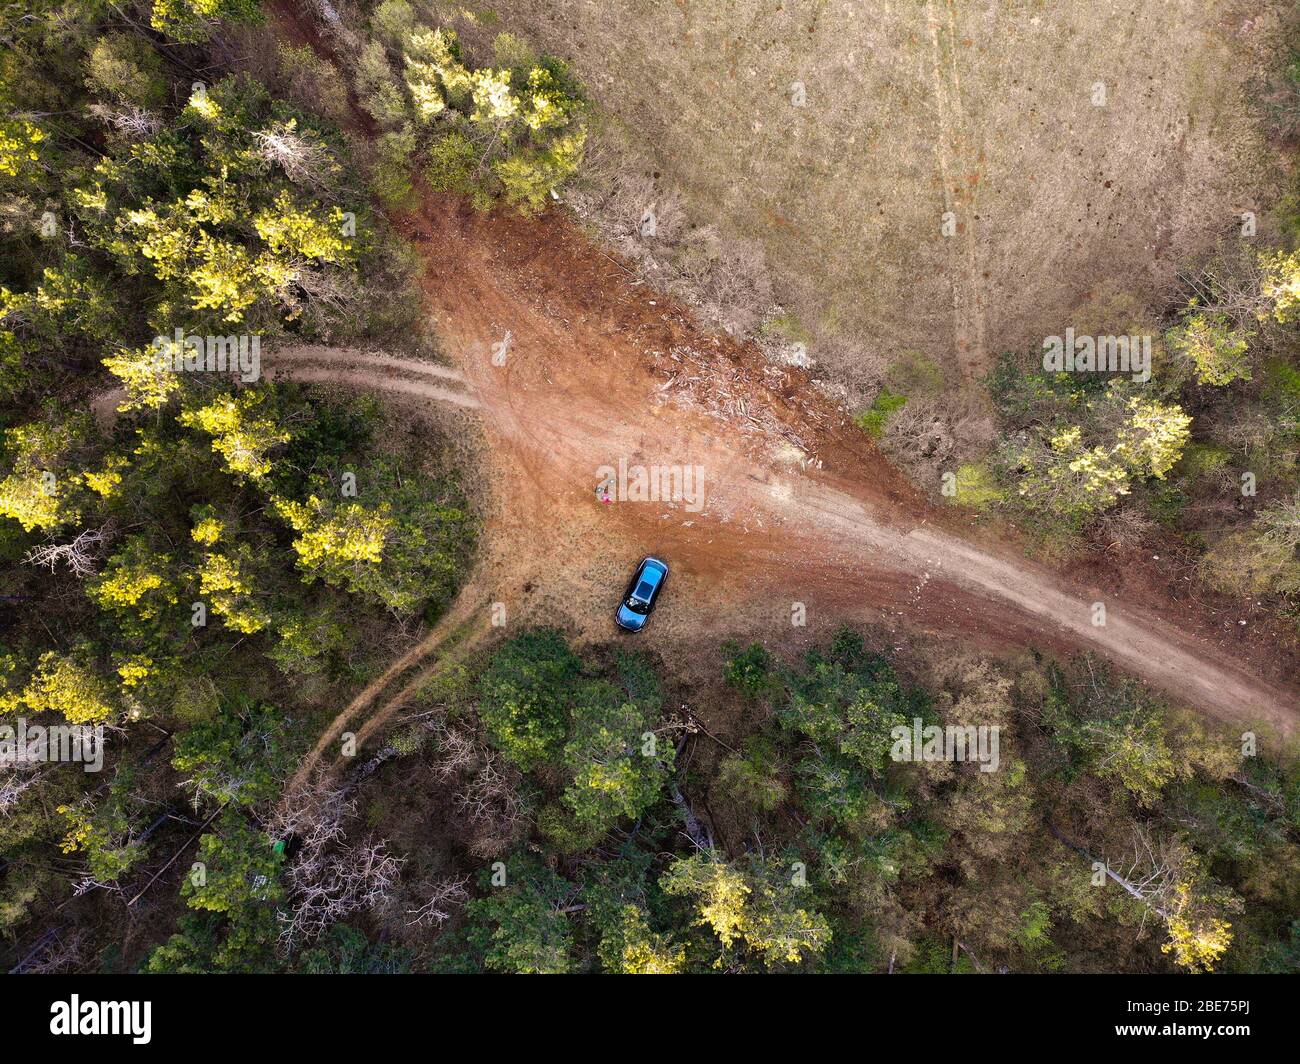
(348,356)
(451,629)
(324,364)
(960,194)
(364,379)
(574,397)
(373,369)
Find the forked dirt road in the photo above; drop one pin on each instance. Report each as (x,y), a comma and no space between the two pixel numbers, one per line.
(570,364)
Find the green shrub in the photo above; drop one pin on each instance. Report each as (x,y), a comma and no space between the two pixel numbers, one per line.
(872,420)
(914,374)
(450,165)
(753,778)
(977,486)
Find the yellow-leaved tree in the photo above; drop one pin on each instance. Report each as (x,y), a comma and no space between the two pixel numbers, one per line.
(337,543)
(761,906)
(1067,475)
(71,687)
(37,492)
(240,435)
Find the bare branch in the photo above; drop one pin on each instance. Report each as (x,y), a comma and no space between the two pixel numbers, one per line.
(80,556)
(330,879)
(444,895)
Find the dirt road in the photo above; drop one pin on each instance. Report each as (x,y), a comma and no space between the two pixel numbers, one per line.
(571,365)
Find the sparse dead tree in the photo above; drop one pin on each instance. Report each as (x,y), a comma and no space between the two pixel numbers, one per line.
(133,122)
(308,284)
(1165,876)
(13,783)
(492,795)
(329,879)
(63,950)
(1148,869)
(333,23)
(1231,284)
(1281,522)
(80,556)
(700,836)
(326,287)
(303,161)
(441,898)
(88,883)
(1124,528)
(458,750)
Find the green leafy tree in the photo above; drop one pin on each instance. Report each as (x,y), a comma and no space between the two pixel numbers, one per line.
(71,686)
(122,68)
(524,696)
(618,764)
(40,491)
(630,947)
(522,927)
(761,908)
(20,151)
(234,888)
(344,950)
(403,549)
(849,700)
(239,873)
(1118,729)
(194,21)
(515,131)
(752,777)
(242,434)
(749,671)
(1064,473)
(136,581)
(236,758)
(106,833)
(718,890)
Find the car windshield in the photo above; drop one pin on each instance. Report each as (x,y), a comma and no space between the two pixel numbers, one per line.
(636,605)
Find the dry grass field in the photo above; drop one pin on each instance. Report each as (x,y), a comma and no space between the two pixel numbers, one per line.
(1086,149)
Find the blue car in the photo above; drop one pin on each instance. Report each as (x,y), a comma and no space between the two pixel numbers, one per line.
(646,584)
